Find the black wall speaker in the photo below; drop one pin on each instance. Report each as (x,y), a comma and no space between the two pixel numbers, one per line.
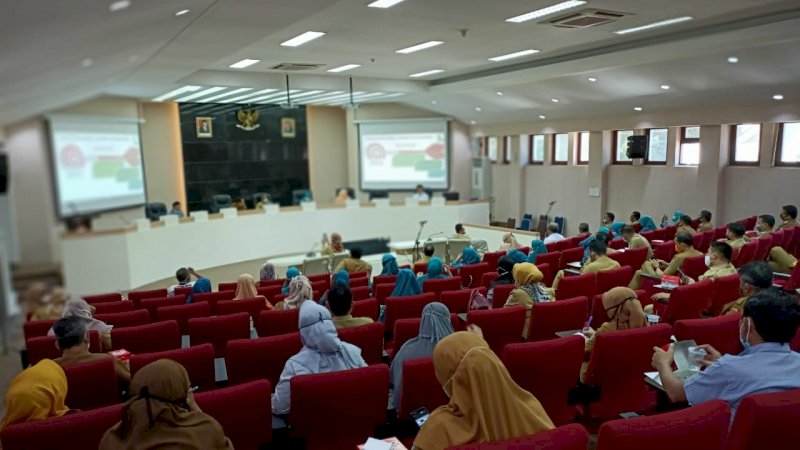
(3,173)
(637,147)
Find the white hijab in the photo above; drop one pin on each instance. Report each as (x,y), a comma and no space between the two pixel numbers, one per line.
(323,351)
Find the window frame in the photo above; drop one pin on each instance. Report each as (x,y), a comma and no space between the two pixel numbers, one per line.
(530,149)
(682,139)
(553,161)
(732,156)
(779,150)
(614,141)
(506,151)
(488,155)
(579,147)
(647,159)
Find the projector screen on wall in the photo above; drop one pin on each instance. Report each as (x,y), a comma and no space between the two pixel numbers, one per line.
(97,164)
(400,154)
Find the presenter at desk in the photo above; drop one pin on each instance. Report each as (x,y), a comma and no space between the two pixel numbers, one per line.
(420,195)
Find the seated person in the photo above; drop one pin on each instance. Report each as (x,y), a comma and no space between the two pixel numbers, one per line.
(769,321)
(340,279)
(184,276)
(505,265)
(176,209)
(510,242)
(291,272)
(246,289)
(406,284)
(335,245)
(267,272)
(460,233)
(201,286)
(553,235)
(598,262)
(607,219)
(765,225)
(480,246)
(616,229)
(434,326)
(36,393)
(635,240)
(647,223)
(517,256)
(685,224)
(704,221)
(389,265)
(789,217)
(529,290)
(436,270)
(602,235)
(299,292)
(781,261)
(354,263)
(718,261)
(340,303)
(635,216)
(427,253)
(753,277)
(537,248)
(485,403)
(341,197)
(624,313)
(52,307)
(420,194)
(583,228)
(468,256)
(684,248)
(263,199)
(162,413)
(239,204)
(32,298)
(72,338)
(83,311)
(322,352)
(735,235)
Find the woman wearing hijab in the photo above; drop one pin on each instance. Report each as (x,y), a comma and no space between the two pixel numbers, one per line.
(624,312)
(468,256)
(435,271)
(246,288)
(485,403)
(434,326)
(290,274)
(163,414)
(299,292)
(530,290)
(504,275)
(79,308)
(267,272)
(201,286)
(322,352)
(510,242)
(616,228)
(517,256)
(537,248)
(406,284)
(480,246)
(389,263)
(647,224)
(36,393)
(53,306)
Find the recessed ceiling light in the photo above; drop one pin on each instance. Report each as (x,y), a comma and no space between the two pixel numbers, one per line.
(119,5)
(733,59)
(244,63)
(499,93)
(554,100)
(344,67)
(659,24)
(434,102)
(530,51)
(202,93)
(478,109)
(472,122)
(777,97)
(592,79)
(384,3)
(181,12)
(302,39)
(665,87)
(176,92)
(545,11)
(637,108)
(426,73)
(542,117)
(418,47)
(87,62)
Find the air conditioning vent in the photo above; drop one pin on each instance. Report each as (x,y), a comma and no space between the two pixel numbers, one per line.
(296,66)
(586,18)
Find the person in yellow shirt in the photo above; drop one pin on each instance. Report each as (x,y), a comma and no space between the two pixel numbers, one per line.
(765,225)
(460,233)
(685,224)
(636,240)
(705,221)
(718,261)
(735,235)
(354,263)
(789,217)
(598,262)
(684,248)
(753,277)
(340,303)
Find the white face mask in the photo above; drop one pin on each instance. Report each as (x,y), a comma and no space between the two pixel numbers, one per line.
(708,260)
(444,386)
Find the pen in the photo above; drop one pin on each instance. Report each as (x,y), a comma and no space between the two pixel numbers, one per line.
(588,322)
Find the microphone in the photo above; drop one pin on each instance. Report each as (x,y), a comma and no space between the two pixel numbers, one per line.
(311,252)
(552,203)
(422,222)
(434,234)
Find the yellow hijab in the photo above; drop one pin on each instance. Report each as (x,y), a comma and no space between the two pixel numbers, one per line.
(36,393)
(526,273)
(624,309)
(485,403)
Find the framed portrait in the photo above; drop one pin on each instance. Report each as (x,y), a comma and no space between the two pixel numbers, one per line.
(203,126)
(288,129)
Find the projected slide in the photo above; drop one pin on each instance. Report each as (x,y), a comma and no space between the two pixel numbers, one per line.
(401,154)
(97,164)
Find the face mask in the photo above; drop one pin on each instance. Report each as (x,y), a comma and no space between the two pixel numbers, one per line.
(708,260)
(743,340)
(444,386)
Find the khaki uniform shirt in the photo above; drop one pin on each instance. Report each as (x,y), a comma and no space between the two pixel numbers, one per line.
(734,306)
(705,226)
(677,260)
(685,228)
(349,321)
(354,265)
(737,243)
(600,264)
(787,224)
(639,241)
(718,271)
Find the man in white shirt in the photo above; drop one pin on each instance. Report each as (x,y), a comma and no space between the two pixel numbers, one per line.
(552,234)
(184,276)
(421,195)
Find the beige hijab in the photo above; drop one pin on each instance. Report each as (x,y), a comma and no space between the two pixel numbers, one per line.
(245,287)
(624,309)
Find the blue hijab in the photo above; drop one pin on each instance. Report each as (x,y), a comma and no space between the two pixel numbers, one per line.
(201,286)
(647,223)
(434,271)
(389,263)
(468,256)
(406,285)
(291,273)
(616,227)
(517,256)
(677,215)
(341,278)
(585,243)
(537,248)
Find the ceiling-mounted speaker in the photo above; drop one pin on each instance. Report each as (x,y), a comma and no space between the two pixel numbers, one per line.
(637,147)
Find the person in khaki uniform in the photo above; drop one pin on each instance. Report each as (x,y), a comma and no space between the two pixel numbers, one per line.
(636,240)
(735,235)
(354,263)
(753,277)
(789,217)
(598,262)
(705,221)
(781,261)
(765,225)
(718,261)
(340,304)
(685,224)
(683,249)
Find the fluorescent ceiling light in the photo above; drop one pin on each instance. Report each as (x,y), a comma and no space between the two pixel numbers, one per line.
(344,67)
(177,92)
(396,94)
(244,63)
(302,39)
(87,62)
(733,59)
(273,97)
(499,93)
(545,11)
(478,109)
(181,12)
(472,122)
(202,93)
(119,5)
(665,87)
(250,95)
(426,73)
(226,94)
(554,100)
(418,47)
(323,97)
(637,108)
(592,79)
(542,117)
(434,102)
(660,24)
(384,3)
(777,97)
(530,51)
(306,94)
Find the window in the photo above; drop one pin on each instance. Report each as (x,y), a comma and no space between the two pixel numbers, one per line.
(789,144)
(621,146)
(537,149)
(583,147)
(560,148)
(491,145)
(656,146)
(506,149)
(745,143)
(689,151)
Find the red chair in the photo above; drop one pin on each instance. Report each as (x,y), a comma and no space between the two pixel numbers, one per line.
(664,251)
(407,329)
(152,304)
(525,250)
(354,275)
(749,222)
(491,258)
(500,326)
(154,337)
(325,278)
(574,254)
(549,370)
(112,307)
(92,384)
(273,323)
(559,246)
(746,254)
(439,285)
(632,257)
(617,365)
(219,330)
(500,294)
(268,283)
(367,388)
(547,318)
(420,267)
(649,235)
(383,291)
(458,301)
(567,437)
(136,296)
(726,290)
(103,298)
(269,292)
(471,274)
(262,358)
(609,279)
(575,286)
(36,328)
(763,248)
(359,282)
(182,314)
(125,319)
(227,286)
(360,293)
(79,431)
(670,232)
(788,283)
(720,231)
(405,307)
(694,266)
(213,298)
(186,291)
(369,338)
(487,278)
(618,244)
(243,411)
(198,362)
(552,259)
(708,238)
(366,308)
(766,421)
(44,347)
(251,306)
(704,426)
(688,301)
(547,272)
(384,279)
(424,390)
(320,286)
(720,332)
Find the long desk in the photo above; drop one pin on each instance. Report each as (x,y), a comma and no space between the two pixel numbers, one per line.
(126,259)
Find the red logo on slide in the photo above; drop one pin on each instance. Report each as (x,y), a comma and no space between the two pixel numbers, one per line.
(435,151)
(132,156)
(72,157)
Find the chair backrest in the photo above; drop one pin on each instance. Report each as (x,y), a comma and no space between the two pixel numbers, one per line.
(383,279)
(766,421)
(273,322)
(439,285)
(559,246)
(500,294)
(407,329)
(244,411)
(633,257)
(689,301)
(575,286)
(569,255)
(617,244)
(369,338)
(213,298)
(487,278)
(275,282)
(548,370)
(664,251)
(420,267)
(366,308)
(357,282)
(182,290)
(230,286)
(112,307)
(360,293)
(198,361)
(694,266)
(383,291)
(720,332)
(92,384)
(547,318)
(726,290)
(36,328)
(720,231)
(424,390)
(491,258)
(219,330)
(405,307)
(135,296)
(367,388)
(500,326)
(472,274)
(324,277)
(152,304)
(103,298)
(746,254)
(457,301)
(617,364)
(262,358)
(764,246)
(702,426)
(269,292)
(608,279)
(79,431)
(708,238)
(182,314)
(251,306)
(125,319)
(154,337)
(314,266)
(567,437)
